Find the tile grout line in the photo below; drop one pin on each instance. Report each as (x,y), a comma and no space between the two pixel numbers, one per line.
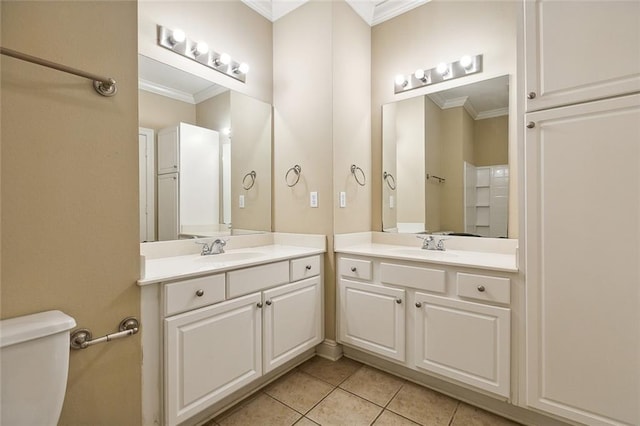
(453,416)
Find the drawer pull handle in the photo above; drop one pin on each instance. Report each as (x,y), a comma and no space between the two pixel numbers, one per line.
(418,305)
(531,95)
(308,267)
(268,302)
(398,300)
(531,125)
(259,304)
(353,269)
(200,293)
(480,288)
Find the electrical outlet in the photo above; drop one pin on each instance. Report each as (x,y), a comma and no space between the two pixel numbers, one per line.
(313,199)
(343,199)
(241,202)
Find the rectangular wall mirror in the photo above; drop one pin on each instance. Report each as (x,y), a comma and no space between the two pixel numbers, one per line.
(205,157)
(445,161)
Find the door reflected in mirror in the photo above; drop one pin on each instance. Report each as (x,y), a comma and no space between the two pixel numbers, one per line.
(188,191)
(445,161)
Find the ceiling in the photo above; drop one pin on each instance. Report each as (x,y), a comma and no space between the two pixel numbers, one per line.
(372,12)
(483,99)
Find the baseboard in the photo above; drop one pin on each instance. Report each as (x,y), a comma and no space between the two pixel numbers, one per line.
(329,349)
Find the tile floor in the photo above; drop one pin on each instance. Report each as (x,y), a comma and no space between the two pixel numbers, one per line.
(346,392)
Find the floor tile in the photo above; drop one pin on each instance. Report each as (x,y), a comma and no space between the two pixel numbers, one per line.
(262,410)
(342,408)
(423,406)
(333,372)
(305,422)
(466,415)
(299,391)
(373,385)
(389,418)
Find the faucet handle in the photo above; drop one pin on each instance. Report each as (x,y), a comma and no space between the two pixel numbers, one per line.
(440,244)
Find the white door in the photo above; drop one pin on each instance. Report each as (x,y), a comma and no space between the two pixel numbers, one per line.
(372,317)
(210,353)
(167,150)
(581,50)
(465,341)
(168,207)
(146,142)
(292,321)
(583,246)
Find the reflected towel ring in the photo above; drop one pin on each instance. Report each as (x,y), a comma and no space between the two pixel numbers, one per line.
(297,170)
(354,169)
(388,177)
(252,175)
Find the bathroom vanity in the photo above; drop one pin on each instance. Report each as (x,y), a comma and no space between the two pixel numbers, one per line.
(223,324)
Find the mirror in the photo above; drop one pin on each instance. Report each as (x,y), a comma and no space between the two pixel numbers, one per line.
(445,161)
(205,157)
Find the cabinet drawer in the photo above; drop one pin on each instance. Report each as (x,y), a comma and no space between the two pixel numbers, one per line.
(413,276)
(191,294)
(355,268)
(305,267)
(482,287)
(245,281)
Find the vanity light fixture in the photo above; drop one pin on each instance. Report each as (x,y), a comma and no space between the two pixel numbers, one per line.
(466,65)
(177,41)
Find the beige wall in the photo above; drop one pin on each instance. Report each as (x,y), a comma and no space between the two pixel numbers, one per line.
(157,112)
(491,141)
(410,151)
(441,30)
(321,123)
(433,161)
(70,194)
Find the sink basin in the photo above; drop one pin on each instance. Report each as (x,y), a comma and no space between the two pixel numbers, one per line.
(427,254)
(229,257)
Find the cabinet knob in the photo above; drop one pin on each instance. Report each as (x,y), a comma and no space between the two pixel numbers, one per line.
(308,267)
(259,304)
(268,302)
(531,95)
(175,167)
(353,269)
(481,288)
(398,300)
(531,125)
(200,293)
(418,305)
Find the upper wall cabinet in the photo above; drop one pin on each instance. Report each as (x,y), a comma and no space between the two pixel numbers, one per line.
(575,53)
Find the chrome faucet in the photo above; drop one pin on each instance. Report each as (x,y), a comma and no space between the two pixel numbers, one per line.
(216,247)
(430,243)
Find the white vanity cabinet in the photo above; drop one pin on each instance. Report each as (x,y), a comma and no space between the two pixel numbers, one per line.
(224,331)
(583,51)
(452,322)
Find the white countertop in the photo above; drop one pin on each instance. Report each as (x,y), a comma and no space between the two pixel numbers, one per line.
(194,265)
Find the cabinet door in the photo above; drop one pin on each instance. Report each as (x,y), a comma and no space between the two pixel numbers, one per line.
(210,353)
(168,207)
(579,51)
(583,246)
(373,318)
(168,159)
(292,321)
(466,341)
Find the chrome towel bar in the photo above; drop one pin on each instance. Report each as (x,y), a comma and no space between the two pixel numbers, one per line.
(82,338)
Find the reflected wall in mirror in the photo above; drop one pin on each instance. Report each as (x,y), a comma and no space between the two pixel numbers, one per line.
(445,161)
(205,157)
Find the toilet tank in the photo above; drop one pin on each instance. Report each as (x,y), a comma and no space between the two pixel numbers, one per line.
(34,362)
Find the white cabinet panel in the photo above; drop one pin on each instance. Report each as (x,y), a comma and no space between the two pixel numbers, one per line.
(583,304)
(210,353)
(465,341)
(373,318)
(292,321)
(580,51)
(168,219)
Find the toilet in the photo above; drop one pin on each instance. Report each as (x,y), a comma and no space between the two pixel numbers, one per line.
(34,360)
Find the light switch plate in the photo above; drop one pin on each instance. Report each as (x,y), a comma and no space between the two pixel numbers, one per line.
(313,199)
(392,202)
(241,202)
(343,199)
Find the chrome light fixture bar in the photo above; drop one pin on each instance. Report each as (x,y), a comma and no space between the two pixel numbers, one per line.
(467,65)
(177,41)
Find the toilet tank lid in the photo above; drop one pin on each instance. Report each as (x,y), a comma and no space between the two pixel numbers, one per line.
(29,327)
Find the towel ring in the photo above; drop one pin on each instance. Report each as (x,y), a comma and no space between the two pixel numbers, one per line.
(354,169)
(388,177)
(297,170)
(252,176)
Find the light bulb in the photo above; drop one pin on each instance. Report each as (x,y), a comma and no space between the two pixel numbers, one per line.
(466,62)
(419,74)
(225,59)
(400,80)
(243,68)
(442,68)
(226,131)
(201,48)
(177,36)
